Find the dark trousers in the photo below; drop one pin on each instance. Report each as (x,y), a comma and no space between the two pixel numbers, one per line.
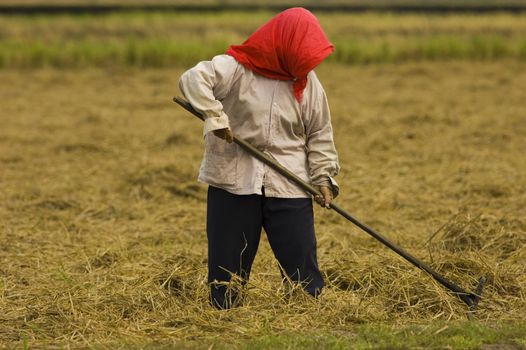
(233,227)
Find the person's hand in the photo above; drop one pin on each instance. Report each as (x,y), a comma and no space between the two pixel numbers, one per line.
(326,196)
(225,134)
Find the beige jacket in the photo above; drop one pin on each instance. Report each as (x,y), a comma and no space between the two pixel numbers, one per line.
(265,113)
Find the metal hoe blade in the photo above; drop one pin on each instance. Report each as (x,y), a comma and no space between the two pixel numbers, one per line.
(475,298)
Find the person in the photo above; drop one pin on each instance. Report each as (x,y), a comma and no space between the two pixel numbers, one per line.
(266,92)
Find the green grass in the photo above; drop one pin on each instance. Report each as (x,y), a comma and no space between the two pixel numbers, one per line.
(170,39)
(153,52)
(131,52)
(438,335)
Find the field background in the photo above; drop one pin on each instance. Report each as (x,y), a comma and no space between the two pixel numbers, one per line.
(226,3)
(102,231)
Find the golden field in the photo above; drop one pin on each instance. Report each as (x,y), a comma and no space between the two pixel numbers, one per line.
(102,222)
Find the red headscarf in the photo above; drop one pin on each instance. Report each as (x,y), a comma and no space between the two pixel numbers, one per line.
(287,47)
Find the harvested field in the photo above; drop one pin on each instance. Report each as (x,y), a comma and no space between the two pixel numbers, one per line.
(102,229)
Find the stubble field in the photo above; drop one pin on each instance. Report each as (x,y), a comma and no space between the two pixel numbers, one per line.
(102,223)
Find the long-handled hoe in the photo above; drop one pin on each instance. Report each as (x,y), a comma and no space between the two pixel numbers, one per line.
(471,299)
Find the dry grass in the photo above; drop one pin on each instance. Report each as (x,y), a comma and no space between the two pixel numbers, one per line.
(102,225)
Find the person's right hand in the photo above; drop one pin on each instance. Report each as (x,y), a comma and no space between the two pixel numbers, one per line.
(225,134)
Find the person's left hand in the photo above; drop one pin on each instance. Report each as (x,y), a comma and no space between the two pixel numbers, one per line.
(326,196)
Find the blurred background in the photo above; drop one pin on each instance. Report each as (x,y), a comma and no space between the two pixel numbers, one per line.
(76,33)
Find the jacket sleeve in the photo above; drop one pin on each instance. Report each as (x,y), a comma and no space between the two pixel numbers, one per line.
(321,152)
(205,85)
